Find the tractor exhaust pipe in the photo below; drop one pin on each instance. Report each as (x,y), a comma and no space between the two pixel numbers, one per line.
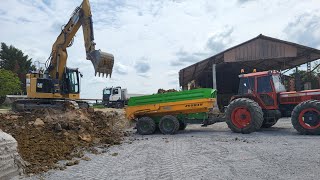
(102,62)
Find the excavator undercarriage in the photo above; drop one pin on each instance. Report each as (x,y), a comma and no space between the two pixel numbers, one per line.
(28,105)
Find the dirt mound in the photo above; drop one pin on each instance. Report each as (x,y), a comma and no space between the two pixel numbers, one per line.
(47,136)
(161,91)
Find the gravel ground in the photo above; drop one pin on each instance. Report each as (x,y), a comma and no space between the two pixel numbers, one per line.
(212,152)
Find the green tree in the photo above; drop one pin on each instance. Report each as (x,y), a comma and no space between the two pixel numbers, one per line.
(15,60)
(9,84)
(307,77)
(317,66)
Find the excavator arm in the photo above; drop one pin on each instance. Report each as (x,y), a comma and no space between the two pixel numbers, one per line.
(102,62)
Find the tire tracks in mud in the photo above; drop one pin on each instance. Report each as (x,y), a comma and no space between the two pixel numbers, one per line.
(170,161)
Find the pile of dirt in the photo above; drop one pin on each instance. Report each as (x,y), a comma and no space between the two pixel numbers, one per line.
(161,91)
(47,136)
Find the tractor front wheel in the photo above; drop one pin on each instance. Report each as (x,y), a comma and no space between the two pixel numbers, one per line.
(306,117)
(244,116)
(145,126)
(169,124)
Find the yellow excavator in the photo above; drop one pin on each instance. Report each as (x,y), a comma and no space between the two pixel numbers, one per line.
(59,86)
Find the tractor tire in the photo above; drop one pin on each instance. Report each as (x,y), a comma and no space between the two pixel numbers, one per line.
(182,125)
(145,126)
(244,116)
(275,114)
(169,124)
(305,117)
(268,124)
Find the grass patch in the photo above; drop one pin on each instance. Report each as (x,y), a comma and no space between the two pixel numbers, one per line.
(5,106)
(98,106)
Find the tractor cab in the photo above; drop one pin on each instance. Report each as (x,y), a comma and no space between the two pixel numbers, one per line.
(262,87)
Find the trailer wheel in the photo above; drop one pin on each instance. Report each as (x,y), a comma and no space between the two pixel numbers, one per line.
(182,125)
(145,126)
(306,117)
(244,116)
(169,124)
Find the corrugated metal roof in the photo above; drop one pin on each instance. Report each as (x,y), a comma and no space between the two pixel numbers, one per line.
(261,53)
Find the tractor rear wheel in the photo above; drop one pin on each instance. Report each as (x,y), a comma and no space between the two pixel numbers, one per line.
(145,126)
(306,117)
(244,116)
(169,124)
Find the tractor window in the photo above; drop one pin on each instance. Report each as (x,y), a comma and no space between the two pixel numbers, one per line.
(264,85)
(278,85)
(246,86)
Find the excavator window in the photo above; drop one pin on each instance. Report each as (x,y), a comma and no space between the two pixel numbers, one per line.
(73,80)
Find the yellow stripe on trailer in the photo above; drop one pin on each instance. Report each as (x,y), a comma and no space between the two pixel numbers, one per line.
(172,108)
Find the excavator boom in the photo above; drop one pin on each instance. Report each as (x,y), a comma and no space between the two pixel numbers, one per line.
(102,62)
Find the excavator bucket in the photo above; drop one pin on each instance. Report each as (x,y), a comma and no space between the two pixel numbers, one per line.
(102,62)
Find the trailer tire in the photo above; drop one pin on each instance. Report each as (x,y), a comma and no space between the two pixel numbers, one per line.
(310,110)
(169,124)
(244,116)
(182,125)
(145,126)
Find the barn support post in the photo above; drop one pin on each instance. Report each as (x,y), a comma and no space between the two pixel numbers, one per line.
(214,77)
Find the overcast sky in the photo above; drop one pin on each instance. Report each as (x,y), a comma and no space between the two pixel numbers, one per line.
(152,40)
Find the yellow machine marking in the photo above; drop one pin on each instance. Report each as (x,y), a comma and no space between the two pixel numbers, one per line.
(187,107)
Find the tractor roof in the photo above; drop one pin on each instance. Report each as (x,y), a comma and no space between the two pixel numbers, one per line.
(263,73)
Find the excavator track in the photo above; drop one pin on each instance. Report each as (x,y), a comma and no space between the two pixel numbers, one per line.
(28,105)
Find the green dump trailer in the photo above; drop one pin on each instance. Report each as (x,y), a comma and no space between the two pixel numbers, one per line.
(172,111)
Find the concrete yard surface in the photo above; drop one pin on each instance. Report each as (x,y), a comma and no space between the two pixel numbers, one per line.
(212,152)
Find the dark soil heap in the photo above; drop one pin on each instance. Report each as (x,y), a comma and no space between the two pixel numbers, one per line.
(47,136)
(161,91)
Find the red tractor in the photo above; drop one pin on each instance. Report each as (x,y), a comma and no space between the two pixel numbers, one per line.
(262,100)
